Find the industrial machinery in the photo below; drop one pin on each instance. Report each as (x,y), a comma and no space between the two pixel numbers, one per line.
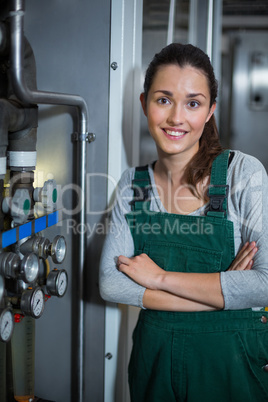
(28,275)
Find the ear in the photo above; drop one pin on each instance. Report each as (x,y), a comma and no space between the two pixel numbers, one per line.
(143,103)
(212,110)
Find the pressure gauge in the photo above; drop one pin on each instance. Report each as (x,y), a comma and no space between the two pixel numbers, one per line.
(43,248)
(58,249)
(33,302)
(29,268)
(6,324)
(57,282)
(2,288)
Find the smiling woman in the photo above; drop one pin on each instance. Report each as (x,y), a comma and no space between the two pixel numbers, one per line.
(177,108)
(188,238)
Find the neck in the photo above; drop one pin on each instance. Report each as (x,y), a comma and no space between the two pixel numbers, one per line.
(172,167)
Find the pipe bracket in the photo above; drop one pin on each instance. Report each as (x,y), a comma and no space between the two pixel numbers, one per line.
(89,137)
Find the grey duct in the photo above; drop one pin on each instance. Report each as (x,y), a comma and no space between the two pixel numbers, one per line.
(29,96)
(23,137)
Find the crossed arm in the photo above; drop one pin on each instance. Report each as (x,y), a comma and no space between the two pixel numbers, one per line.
(180,291)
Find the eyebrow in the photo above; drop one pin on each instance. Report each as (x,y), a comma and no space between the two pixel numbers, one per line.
(191,95)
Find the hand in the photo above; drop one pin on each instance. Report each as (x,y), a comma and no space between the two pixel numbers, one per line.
(244,259)
(141,269)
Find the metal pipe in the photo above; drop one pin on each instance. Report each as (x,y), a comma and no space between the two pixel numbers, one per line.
(210,29)
(171,22)
(25,94)
(192,31)
(80,281)
(32,96)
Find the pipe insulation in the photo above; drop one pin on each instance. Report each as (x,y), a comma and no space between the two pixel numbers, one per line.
(31,96)
(12,119)
(22,141)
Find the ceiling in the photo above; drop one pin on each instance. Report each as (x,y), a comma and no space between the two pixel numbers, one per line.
(245,7)
(236,13)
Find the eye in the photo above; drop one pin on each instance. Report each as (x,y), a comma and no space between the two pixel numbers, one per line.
(163,101)
(193,104)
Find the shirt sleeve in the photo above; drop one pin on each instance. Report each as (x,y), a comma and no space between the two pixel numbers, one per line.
(248,210)
(115,286)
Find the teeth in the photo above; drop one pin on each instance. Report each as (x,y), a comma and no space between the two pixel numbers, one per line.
(175,133)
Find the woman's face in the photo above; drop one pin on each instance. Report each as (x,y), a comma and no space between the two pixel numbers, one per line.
(177,108)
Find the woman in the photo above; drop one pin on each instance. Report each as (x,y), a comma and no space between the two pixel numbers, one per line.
(177,226)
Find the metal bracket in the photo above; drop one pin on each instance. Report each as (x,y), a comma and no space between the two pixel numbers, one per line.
(89,137)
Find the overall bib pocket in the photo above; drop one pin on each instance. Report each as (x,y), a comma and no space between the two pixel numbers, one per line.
(178,257)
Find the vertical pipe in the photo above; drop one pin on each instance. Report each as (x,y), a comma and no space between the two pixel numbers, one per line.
(171,21)
(23,355)
(79,360)
(210,29)
(3,371)
(192,31)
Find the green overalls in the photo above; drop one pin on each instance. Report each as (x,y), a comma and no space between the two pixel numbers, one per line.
(216,356)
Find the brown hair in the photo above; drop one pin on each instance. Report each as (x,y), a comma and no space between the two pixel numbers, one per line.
(199,166)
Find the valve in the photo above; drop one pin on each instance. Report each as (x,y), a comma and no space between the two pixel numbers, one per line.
(44,248)
(11,266)
(47,195)
(18,206)
(18,317)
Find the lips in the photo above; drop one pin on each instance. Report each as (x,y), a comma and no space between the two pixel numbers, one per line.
(175,133)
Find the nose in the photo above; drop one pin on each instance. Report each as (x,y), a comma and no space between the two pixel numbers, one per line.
(176,115)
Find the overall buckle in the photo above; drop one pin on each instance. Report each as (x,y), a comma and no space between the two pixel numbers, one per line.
(217,200)
(141,193)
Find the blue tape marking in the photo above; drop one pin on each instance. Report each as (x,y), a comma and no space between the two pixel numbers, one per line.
(12,236)
(9,237)
(40,224)
(52,219)
(25,230)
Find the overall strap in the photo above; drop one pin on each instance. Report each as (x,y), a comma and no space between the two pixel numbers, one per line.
(141,186)
(218,189)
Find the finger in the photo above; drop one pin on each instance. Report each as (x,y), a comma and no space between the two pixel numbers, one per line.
(123,268)
(246,261)
(123,260)
(250,255)
(244,256)
(246,249)
(249,266)
(244,252)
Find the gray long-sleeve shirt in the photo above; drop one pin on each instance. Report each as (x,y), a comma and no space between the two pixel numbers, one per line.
(247,208)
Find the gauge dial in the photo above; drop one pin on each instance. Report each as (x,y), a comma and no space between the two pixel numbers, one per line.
(58,249)
(57,282)
(6,324)
(30,268)
(62,282)
(38,302)
(33,302)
